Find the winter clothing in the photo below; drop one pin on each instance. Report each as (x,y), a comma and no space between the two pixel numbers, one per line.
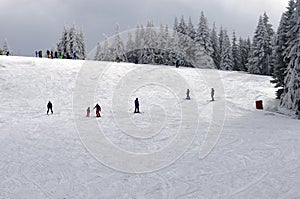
(136,105)
(177,63)
(36,53)
(212,94)
(188,94)
(48,53)
(98,109)
(136,60)
(49,107)
(74,56)
(298,110)
(88,111)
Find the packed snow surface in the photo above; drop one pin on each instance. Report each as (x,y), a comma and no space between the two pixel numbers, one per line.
(253,153)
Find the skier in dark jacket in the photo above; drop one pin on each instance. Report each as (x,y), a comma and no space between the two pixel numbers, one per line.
(177,63)
(188,94)
(298,110)
(49,107)
(98,109)
(136,105)
(74,55)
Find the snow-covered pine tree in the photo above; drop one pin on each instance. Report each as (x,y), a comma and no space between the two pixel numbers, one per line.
(130,45)
(244,53)
(271,38)
(80,39)
(291,94)
(226,56)
(235,54)
(261,50)
(191,32)
(281,60)
(221,38)
(216,56)
(191,48)
(174,44)
(72,40)
(98,52)
(175,26)
(269,28)
(162,44)
(117,45)
(130,48)
(183,41)
(137,37)
(150,44)
(6,49)
(203,35)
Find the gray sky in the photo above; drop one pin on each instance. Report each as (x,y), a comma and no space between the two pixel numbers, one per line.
(30,25)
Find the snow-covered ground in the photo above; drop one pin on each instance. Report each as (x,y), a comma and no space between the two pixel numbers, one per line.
(174,149)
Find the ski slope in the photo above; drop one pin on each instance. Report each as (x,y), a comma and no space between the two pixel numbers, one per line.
(175,148)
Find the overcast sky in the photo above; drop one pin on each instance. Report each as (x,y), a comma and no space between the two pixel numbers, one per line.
(30,25)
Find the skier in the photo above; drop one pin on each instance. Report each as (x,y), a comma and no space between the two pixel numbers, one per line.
(188,94)
(136,106)
(212,94)
(48,53)
(51,54)
(298,110)
(136,60)
(98,109)
(74,55)
(88,111)
(118,60)
(177,63)
(49,107)
(36,53)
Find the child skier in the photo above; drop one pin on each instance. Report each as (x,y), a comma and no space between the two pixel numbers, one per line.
(88,111)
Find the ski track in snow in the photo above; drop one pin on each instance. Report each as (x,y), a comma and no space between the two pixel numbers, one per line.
(42,156)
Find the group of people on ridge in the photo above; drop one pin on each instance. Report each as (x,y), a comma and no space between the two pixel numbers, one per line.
(56,55)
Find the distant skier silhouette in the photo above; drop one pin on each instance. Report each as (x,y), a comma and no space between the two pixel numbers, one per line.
(298,110)
(49,107)
(136,106)
(212,93)
(98,109)
(188,94)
